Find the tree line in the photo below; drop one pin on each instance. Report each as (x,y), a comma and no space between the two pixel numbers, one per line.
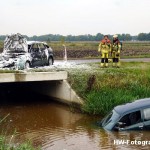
(87,37)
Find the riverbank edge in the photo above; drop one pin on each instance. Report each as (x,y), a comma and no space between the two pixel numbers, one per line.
(110,86)
(4,145)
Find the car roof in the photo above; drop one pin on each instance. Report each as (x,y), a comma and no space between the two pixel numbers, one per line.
(32,42)
(137,104)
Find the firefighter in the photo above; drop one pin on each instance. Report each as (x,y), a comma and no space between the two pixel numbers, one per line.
(115,52)
(104,48)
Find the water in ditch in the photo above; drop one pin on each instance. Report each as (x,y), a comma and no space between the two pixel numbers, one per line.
(54,126)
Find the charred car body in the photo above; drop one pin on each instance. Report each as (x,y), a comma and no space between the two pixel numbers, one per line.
(20,54)
(131,116)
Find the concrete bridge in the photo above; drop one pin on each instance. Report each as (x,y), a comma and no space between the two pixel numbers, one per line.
(52,84)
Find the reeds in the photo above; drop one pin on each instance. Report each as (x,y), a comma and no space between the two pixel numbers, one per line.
(6,142)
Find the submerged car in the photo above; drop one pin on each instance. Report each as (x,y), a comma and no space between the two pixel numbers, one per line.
(20,54)
(131,116)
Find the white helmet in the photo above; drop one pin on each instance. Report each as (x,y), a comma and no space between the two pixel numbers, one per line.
(115,36)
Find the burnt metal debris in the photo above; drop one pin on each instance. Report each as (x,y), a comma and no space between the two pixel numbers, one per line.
(14,46)
(15,42)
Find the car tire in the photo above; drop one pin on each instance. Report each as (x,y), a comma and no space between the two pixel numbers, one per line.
(50,61)
(27,65)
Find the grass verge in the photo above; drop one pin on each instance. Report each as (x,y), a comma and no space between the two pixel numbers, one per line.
(102,89)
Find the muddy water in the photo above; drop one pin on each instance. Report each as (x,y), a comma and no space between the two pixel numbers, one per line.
(54,126)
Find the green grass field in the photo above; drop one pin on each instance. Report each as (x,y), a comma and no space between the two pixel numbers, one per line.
(112,86)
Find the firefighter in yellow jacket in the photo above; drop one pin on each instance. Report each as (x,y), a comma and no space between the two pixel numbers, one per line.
(104,48)
(115,52)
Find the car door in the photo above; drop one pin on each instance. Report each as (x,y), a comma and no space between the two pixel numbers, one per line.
(137,126)
(36,55)
(146,117)
(132,121)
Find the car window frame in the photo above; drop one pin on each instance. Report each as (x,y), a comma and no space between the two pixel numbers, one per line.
(40,46)
(31,48)
(107,119)
(46,46)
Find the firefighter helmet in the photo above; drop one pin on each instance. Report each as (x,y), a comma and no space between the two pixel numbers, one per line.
(115,36)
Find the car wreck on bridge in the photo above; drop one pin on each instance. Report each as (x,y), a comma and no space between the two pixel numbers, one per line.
(131,116)
(20,54)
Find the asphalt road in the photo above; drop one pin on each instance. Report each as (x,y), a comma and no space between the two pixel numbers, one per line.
(81,61)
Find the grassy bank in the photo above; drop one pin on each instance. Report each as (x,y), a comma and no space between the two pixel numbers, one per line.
(4,145)
(102,89)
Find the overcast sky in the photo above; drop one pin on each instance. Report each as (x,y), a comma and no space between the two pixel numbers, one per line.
(39,17)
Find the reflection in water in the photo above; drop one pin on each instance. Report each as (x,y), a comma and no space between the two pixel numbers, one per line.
(55,127)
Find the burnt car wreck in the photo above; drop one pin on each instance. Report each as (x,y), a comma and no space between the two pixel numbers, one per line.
(131,116)
(20,54)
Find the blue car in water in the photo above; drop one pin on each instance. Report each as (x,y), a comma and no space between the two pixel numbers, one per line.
(130,116)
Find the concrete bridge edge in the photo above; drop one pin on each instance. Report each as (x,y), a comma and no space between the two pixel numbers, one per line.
(66,94)
(59,90)
(52,84)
